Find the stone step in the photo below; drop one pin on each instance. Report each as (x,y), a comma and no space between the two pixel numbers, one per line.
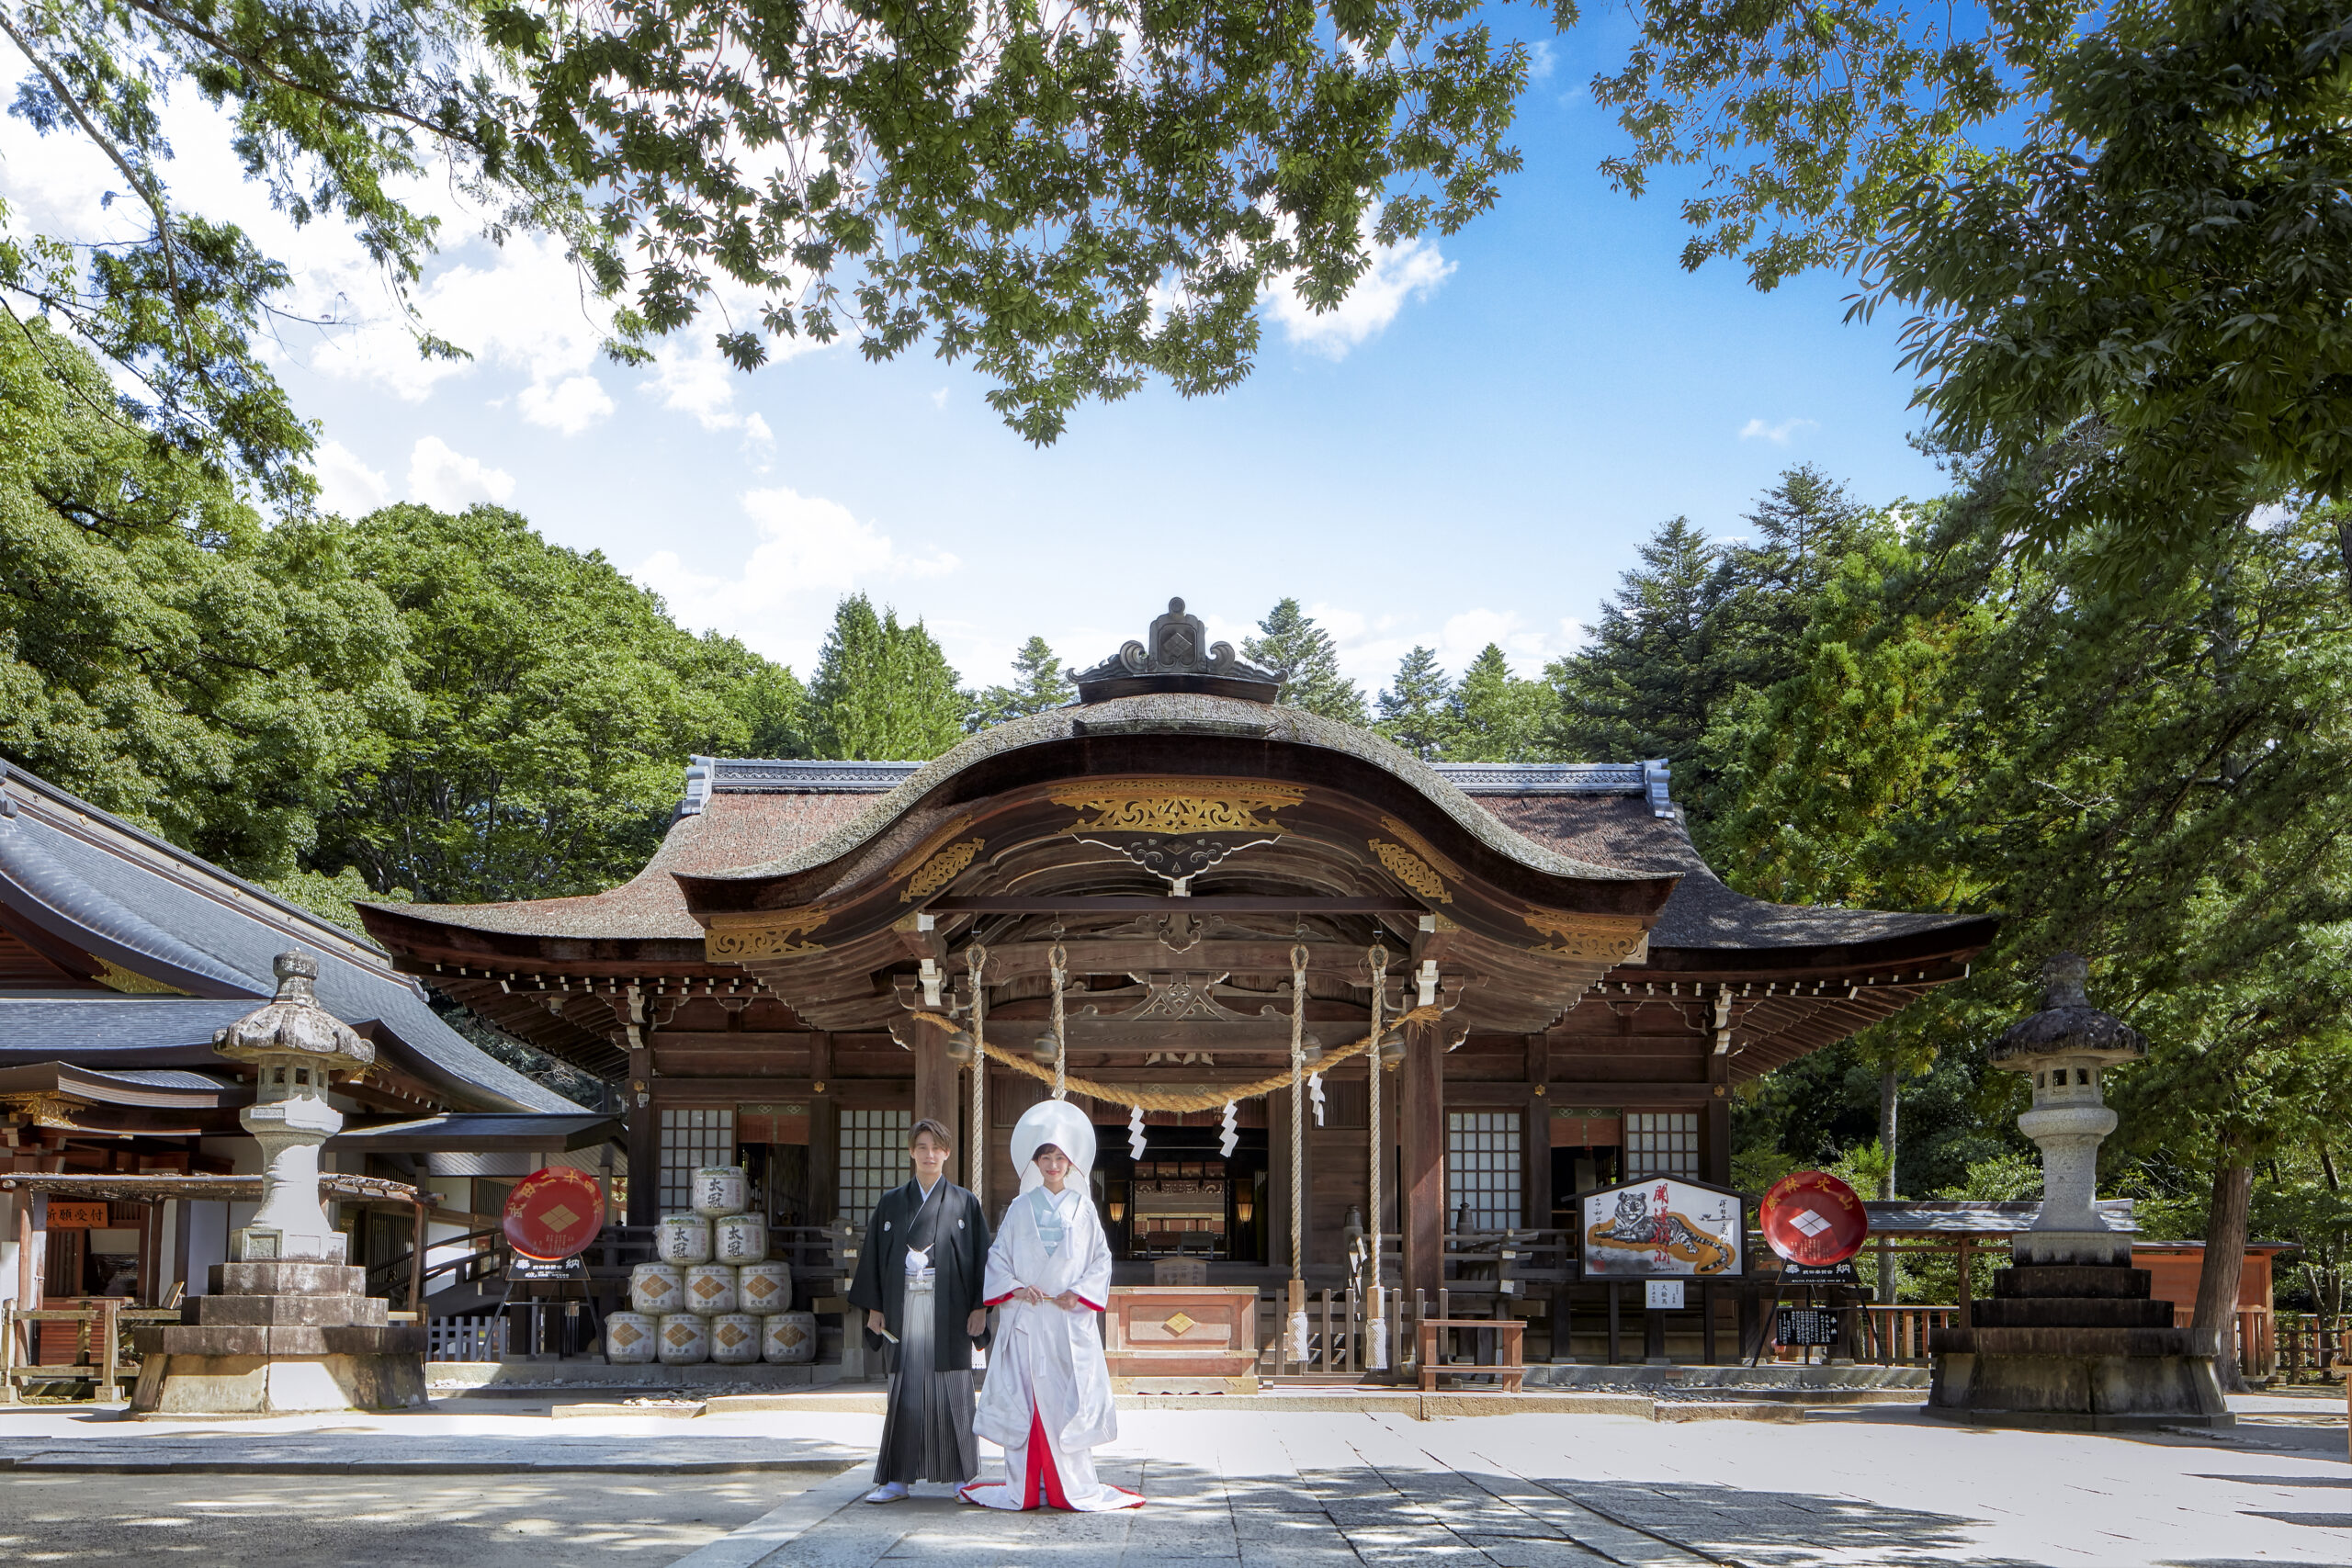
(2071,1312)
(267,1339)
(291,1311)
(2069,1342)
(2072,1279)
(287,1279)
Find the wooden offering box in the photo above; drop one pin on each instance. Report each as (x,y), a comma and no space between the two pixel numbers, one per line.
(1192,1332)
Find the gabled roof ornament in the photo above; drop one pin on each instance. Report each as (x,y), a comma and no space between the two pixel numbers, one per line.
(1176,656)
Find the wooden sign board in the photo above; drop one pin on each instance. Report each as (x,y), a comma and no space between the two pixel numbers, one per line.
(1663,1227)
(76,1215)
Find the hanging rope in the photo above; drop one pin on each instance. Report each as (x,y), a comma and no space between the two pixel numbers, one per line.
(975,957)
(1184,1100)
(1379,956)
(1060,960)
(1298,1122)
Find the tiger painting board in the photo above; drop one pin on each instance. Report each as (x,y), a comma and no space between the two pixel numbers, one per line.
(1663,1227)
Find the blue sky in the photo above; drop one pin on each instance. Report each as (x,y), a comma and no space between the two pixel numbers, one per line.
(1470,451)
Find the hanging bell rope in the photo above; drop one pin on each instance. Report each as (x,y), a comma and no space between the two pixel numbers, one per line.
(976,958)
(1297,1072)
(1060,960)
(1184,1101)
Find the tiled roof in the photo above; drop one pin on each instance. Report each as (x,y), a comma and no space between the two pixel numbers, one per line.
(108,888)
(742,817)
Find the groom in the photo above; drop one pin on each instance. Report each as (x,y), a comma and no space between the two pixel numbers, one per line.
(919,1278)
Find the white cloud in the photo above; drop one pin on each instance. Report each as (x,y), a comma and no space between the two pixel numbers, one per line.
(347,487)
(691,376)
(571,406)
(1398,274)
(1541,59)
(1778,434)
(451,481)
(809,549)
(939,398)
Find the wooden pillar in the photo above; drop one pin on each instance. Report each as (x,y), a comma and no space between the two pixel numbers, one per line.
(183,1238)
(1422,1181)
(824,1134)
(936,1079)
(1714,1140)
(642,1116)
(1535,1162)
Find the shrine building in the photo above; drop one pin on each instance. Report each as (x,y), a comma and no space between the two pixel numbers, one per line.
(1566,994)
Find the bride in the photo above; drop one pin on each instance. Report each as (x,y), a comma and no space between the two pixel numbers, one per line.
(1047,1398)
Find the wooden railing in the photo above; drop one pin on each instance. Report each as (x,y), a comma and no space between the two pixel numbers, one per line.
(1898,1336)
(2313,1346)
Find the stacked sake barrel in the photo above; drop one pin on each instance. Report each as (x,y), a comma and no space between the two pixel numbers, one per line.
(713,1295)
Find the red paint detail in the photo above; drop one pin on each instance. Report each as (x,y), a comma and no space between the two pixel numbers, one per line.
(532,1234)
(1043,1477)
(1847,1224)
(998,1300)
(1098,1306)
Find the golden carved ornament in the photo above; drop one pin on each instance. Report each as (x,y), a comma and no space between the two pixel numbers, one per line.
(1411,870)
(929,846)
(1177,806)
(1421,847)
(1605,937)
(940,869)
(45,1110)
(776,935)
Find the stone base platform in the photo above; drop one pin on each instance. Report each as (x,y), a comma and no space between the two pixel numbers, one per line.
(279,1338)
(1743,1378)
(2076,1347)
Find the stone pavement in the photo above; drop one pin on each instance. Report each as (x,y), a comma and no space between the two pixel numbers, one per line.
(1247,1490)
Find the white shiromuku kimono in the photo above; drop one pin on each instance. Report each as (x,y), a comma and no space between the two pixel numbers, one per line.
(1047,1398)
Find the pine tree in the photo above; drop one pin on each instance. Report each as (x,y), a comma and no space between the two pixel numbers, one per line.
(1039,682)
(883,692)
(1648,682)
(1805,525)
(1415,710)
(1301,653)
(1497,716)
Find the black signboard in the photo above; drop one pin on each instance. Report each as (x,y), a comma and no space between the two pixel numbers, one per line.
(1819,1274)
(522,1268)
(1804,1325)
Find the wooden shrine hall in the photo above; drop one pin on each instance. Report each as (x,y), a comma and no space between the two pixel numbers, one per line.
(1121,894)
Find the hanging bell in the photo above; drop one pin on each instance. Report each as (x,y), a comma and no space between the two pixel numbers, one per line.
(960,1046)
(1047,1048)
(1310,1049)
(1392,1051)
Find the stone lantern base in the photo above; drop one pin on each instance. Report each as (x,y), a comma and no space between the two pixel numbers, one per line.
(280,1338)
(2072,1345)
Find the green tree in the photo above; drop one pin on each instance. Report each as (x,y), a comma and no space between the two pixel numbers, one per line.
(162,654)
(1648,682)
(2149,775)
(1804,525)
(882,692)
(555,704)
(1290,644)
(1074,199)
(1497,717)
(1416,711)
(1039,682)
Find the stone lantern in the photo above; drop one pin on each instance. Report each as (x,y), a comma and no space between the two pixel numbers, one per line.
(2063,1049)
(2070,1336)
(287,1325)
(294,1046)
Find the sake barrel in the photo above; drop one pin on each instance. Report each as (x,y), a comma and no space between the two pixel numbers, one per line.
(682,1238)
(631,1338)
(789,1336)
(764,1288)
(739,1238)
(685,1338)
(735,1339)
(657,1288)
(711,1288)
(722,1189)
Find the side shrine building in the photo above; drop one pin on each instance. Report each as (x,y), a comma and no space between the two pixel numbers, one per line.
(791,980)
